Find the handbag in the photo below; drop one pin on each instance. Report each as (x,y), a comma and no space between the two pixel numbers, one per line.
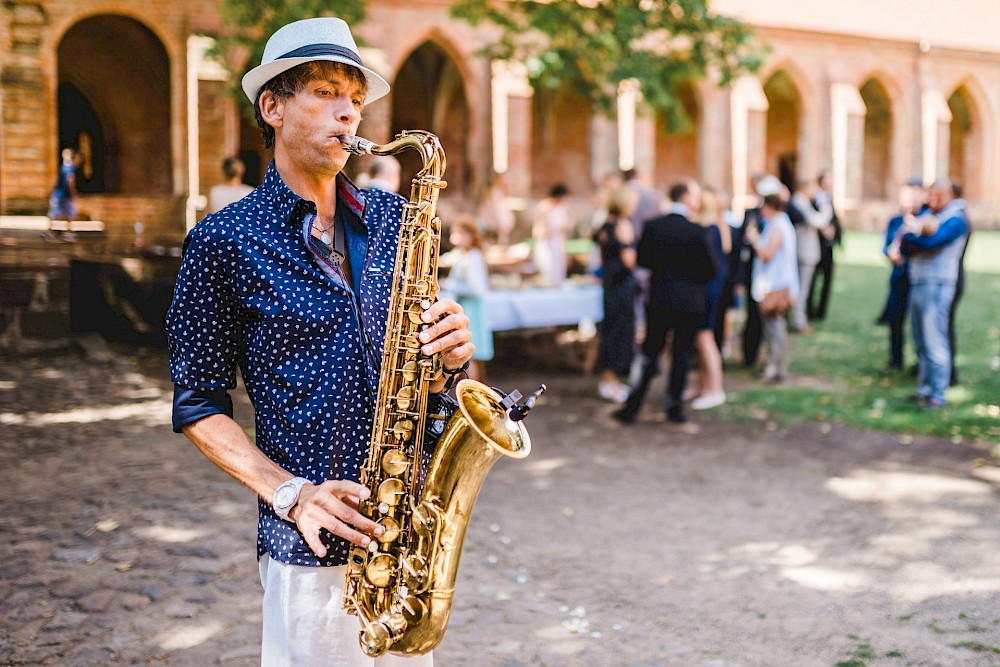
(776,302)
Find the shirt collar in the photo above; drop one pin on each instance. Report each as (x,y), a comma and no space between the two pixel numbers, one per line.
(291,207)
(679,208)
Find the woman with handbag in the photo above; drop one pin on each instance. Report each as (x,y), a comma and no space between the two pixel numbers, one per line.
(775,281)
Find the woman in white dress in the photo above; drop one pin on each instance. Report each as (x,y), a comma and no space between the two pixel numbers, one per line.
(551,226)
(775,268)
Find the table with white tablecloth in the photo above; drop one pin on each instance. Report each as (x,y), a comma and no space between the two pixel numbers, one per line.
(536,307)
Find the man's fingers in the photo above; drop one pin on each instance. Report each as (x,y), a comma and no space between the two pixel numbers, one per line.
(441,308)
(447,342)
(312,539)
(343,530)
(333,507)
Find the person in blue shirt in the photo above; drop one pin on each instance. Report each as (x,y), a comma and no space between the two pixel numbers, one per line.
(292,285)
(911,201)
(934,245)
(62,202)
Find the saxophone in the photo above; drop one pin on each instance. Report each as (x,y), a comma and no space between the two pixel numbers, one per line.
(401,586)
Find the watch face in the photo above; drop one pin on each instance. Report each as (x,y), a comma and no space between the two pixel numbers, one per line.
(285,496)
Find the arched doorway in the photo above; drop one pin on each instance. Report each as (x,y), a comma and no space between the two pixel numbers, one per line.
(560,143)
(677,142)
(429,94)
(877,158)
(964,146)
(783,127)
(114,105)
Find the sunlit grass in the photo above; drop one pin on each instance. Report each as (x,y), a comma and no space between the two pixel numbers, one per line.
(839,371)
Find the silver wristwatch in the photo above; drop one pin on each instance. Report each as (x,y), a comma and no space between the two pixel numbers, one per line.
(286,495)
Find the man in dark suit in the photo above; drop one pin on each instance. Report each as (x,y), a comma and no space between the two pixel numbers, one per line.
(829,237)
(676,251)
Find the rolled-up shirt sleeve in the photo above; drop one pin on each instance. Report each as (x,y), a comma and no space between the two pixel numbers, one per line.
(202,332)
(190,405)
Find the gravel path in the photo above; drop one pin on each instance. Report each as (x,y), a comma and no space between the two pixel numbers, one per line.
(711,545)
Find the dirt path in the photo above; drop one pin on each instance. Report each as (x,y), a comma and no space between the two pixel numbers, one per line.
(712,545)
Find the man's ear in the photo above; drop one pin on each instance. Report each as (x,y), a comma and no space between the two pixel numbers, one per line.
(272,109)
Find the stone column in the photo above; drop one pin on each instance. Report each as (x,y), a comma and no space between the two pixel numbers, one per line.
(935,126)
(748,137)
(847,145)
(604,146)
(715,136)
(511,124)
(29,147)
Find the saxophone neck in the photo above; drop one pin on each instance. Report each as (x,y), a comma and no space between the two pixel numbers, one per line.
(425,143)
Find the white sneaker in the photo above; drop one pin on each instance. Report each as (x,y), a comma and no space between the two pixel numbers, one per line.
(616,392)
(690,394)
(707,401)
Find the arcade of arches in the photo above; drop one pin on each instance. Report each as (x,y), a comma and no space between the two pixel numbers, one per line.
(117,88)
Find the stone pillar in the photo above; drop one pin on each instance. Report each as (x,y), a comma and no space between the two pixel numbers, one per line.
(604,146)
(511,96)
(29,147)
(935,126)
(645,141)
(715,136)
(847,145)
(636,135)
(748,137)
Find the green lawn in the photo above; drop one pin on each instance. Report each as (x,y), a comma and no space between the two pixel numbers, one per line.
(839,371)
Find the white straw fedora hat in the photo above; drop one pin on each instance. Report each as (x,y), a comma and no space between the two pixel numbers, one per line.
(303,41)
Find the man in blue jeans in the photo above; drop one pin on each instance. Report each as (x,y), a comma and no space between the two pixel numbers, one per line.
(934,246)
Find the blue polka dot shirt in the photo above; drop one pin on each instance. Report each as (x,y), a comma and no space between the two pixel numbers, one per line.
(253,293)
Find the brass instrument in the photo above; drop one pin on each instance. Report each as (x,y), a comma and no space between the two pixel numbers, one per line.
(401,587)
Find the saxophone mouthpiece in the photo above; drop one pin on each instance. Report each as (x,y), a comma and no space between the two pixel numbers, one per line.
(519,412)
(356,145)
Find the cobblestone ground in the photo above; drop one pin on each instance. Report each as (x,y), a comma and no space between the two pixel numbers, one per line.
(712,545)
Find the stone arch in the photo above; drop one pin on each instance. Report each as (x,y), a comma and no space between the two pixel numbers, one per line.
(430,93)
(784,126)
(967,137)
(114,95)
(560,143)
(677,154)
(877,169)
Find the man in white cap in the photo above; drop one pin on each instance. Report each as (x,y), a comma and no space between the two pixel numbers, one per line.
(292,285)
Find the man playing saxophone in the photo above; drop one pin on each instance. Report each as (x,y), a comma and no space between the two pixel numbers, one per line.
(292,284)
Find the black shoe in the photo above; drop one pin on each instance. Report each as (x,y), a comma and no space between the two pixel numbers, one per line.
(623,417)
(676,416)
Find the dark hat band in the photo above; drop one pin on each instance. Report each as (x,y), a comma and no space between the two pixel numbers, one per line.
(313,50)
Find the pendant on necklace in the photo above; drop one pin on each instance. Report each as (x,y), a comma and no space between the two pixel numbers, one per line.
(325,238)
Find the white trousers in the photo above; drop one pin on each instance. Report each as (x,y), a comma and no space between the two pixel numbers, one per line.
(305,624)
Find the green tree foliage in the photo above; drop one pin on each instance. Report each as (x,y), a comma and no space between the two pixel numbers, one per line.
(593,45)
(248,23)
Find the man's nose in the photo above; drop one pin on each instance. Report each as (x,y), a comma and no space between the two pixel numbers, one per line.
(347,112)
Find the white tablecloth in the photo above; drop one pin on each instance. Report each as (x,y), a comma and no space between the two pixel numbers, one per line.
(543,306)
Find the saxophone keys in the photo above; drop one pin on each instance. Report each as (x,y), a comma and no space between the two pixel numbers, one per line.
(389,494)
(395,462)
(416,313)
(380,570)
(402,430)
(391,533)
(404,397)
(409,371)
